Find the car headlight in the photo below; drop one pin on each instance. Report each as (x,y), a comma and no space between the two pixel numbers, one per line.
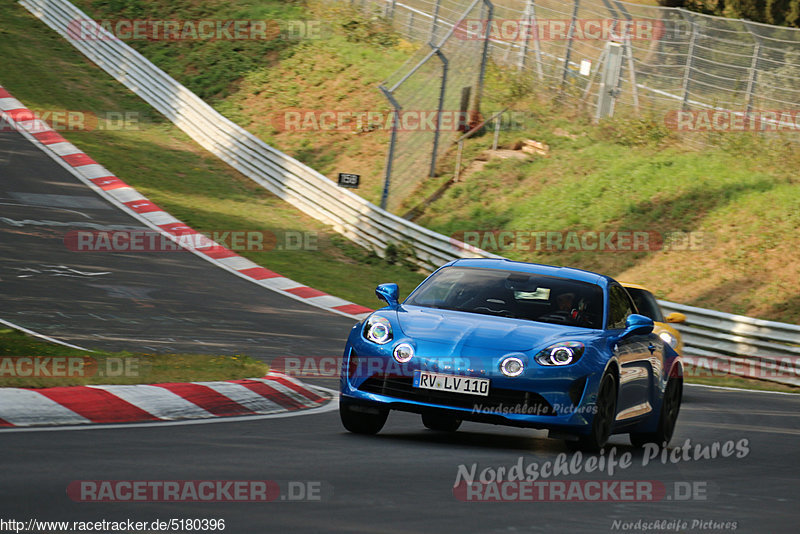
(378,329)
(512,366)
(563,353)
(669,339)
(403,352)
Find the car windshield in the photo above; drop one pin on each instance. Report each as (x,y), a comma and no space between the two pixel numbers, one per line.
(646,303)
(515,294)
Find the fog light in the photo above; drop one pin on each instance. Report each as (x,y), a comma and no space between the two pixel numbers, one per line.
(512,367)
(403,352)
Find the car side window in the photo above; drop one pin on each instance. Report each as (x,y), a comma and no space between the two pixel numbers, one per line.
(620,307)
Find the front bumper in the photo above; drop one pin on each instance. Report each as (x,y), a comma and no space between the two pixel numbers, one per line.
(543,397)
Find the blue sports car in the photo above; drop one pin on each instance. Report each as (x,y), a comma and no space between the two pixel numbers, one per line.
(513,343)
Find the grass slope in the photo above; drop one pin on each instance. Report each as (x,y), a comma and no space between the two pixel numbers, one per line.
(65,367)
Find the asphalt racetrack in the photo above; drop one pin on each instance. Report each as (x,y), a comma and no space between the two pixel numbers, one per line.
(155,301)
(739,473)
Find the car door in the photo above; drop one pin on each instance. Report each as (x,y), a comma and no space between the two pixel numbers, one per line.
(635,355)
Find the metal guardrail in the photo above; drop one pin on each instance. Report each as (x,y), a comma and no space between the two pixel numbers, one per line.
(744,345)
(727,344)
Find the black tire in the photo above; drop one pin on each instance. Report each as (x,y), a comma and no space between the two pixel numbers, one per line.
(670,407)
(603,419)
(441,422)
(361,419)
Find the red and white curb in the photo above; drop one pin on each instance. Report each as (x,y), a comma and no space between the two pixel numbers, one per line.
(128,199)
(80,405)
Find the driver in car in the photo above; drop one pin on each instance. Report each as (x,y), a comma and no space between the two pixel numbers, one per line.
(565,301)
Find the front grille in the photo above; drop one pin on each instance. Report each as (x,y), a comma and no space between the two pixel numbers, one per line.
(499,399)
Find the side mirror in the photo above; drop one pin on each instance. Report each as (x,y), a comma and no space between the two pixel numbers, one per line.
(637,325)
(389,293)
(675,317)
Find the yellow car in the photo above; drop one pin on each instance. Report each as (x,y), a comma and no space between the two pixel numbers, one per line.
(647,305)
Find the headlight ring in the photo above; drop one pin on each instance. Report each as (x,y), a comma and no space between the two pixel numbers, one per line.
(378,330)
(511,366)
(403,352)
(560,354)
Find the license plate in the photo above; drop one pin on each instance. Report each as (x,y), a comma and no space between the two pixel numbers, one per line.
(454,384)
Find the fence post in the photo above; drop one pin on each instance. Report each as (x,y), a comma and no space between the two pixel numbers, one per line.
(442,90)
(496,132)
(391,9)
(392,141)
(457,172)
(484,54)
(568,53)
(609,79)
(687,74)
(752,77)
(530,17)
(435,21)
(595,69)
(631,72)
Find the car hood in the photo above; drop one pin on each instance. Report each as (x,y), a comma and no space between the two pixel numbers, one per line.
(480,331)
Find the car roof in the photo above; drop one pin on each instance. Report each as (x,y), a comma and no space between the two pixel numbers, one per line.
(534,268)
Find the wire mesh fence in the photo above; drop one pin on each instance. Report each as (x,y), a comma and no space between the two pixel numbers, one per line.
(698,73)
(432,94)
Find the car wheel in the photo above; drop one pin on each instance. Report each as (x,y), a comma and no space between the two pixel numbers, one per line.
(361,419)
(441,422)
(603,418)
(667,419)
